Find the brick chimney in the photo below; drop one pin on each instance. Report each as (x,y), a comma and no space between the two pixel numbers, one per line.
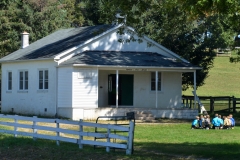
(24,39)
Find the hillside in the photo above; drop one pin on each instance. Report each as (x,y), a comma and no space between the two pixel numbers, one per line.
(223,80)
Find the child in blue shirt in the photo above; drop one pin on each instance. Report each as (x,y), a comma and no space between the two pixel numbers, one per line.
(216,122)
(195,122)
(232,121)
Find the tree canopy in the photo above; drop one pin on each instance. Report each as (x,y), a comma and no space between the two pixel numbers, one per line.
(170,23)
(192,29)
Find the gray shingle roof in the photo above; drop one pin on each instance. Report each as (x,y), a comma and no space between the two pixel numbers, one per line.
(57,42)
(120,58)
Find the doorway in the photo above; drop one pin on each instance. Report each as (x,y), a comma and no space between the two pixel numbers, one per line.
(125,89)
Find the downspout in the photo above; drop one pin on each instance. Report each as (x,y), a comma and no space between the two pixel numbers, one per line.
(156,87)
(195,94)
(117,77)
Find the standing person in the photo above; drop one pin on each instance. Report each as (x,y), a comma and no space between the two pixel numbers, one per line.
(232,121)
(216,122)
(194,123)
(220,121)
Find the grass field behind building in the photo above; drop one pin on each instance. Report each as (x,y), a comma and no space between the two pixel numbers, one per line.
(223,80)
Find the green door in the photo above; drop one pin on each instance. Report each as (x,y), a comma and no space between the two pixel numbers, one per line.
(125,89)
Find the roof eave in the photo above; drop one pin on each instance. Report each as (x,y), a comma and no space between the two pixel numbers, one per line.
(134,67)
(25,60)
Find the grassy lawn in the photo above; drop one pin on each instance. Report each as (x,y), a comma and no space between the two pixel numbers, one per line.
(152,141)
(223,80)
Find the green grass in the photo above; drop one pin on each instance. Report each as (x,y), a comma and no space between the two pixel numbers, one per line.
(223,80)
(151,141)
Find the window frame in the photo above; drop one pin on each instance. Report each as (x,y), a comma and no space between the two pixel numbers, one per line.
(153,81)
(23,83)
(43,80)
(9,81)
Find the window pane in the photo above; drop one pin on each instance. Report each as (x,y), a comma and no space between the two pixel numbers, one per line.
(40,74)
(21,76)
(9,85)
(26,80)
(9,80)
(40,84)
(46,85)
(152,86)
(26,85)
(40,80)
(46,74)
(46,80)
(21,80)
(26,75)
(153,81)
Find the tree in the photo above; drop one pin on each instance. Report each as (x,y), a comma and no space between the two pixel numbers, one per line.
(225,8)
(39,18)
(169,24)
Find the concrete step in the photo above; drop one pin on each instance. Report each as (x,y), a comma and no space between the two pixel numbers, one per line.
(146,118)
(143,112)
(144,115)
(146,121)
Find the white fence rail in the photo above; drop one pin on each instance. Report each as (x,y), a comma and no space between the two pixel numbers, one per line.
(30,126)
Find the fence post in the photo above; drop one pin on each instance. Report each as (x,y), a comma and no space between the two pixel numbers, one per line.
(234,105)
(34,128)
(80,134)
(108,139)
(211,105)
(15,128)
(130,139)
(229,103)
(57,131)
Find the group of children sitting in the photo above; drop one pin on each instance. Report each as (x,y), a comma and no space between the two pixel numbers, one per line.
(217,122)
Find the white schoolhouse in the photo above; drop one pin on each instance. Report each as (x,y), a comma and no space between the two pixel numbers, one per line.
(86,72)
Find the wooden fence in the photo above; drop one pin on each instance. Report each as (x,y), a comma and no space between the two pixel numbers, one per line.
(33,127)
(231,102)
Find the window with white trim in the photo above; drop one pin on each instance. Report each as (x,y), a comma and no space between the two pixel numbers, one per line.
(43,79)
(9,80)
(153,81)
(23,80)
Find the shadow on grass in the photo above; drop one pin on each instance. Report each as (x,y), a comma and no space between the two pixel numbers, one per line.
(26,148)
(191,150)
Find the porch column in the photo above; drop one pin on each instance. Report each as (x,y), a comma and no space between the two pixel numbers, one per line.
(156,87)
(195,94)
(117,76)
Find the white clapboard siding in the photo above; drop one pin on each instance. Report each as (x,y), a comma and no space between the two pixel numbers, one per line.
(34,126)
(85,90)
(64,87)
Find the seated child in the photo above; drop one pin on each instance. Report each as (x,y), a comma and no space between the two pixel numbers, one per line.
(227,122)
(207,122)
(201,122)
(220,121)
(194,123)
(216,122)
(232,121)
